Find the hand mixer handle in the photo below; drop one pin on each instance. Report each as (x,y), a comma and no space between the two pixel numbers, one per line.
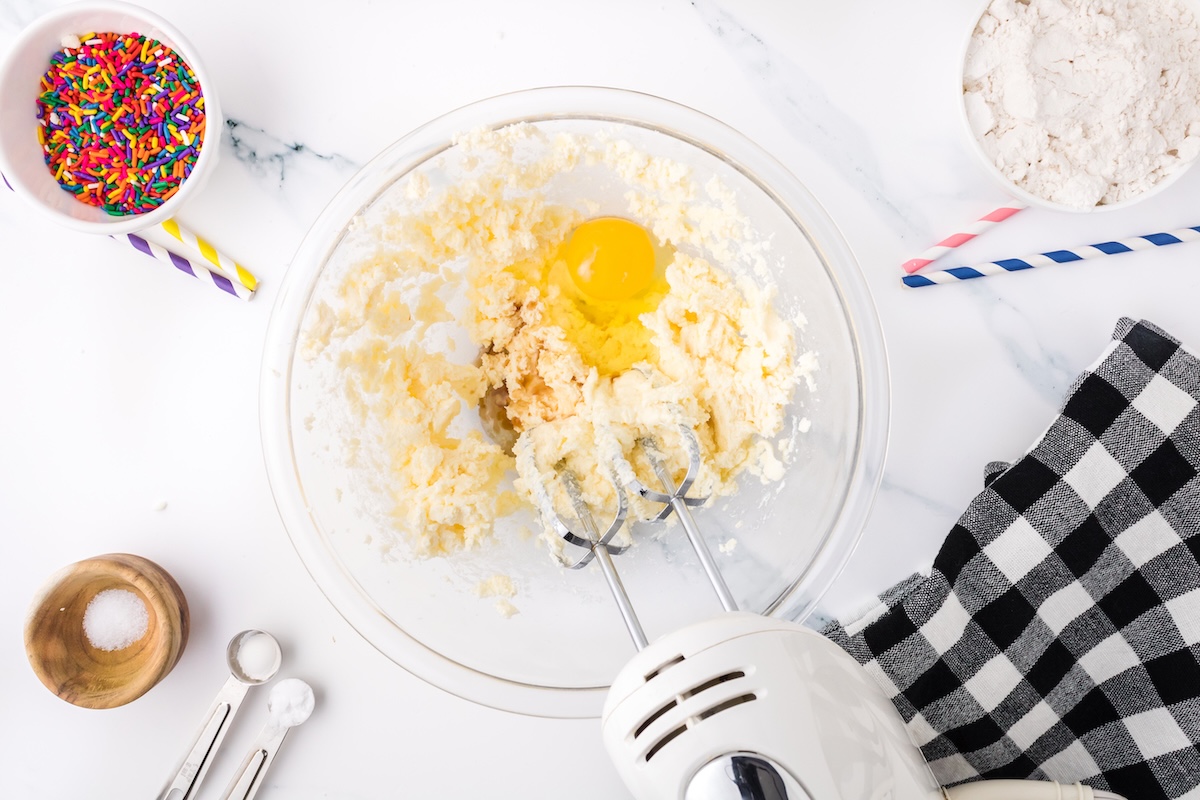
(743,776)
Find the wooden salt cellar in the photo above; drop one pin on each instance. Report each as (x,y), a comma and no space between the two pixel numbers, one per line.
(66,662)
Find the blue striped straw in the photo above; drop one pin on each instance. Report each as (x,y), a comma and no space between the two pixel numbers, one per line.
(1147,242)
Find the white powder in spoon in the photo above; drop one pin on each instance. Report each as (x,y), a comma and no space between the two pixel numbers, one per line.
(114,619)
(291,703)
(1085,102)
(258,657)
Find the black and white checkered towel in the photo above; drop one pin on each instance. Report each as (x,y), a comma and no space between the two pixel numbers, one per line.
(1057,635)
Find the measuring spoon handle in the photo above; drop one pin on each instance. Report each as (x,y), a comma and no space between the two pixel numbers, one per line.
(250,775)
(186,780)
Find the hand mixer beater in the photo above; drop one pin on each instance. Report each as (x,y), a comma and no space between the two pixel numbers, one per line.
(600,546)
(650,706)
(741,706)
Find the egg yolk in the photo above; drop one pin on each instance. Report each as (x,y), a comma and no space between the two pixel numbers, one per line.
(610,259)
(596,285)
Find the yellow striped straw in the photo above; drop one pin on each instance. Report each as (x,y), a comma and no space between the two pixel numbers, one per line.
(212,255)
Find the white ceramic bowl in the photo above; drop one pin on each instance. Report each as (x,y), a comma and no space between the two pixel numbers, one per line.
(21,157)
(557,656)
(1019,193)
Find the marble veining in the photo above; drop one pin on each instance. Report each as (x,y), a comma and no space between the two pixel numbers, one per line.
(808,112)
(268,156)
(1046,369)
(902,488)
(131,385)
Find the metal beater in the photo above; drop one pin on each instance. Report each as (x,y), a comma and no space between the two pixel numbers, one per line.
(746,707)
(673,498)
(737,774)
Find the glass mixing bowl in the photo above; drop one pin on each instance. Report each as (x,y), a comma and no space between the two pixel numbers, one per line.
(779,546)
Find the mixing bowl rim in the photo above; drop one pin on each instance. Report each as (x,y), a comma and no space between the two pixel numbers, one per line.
(400,158)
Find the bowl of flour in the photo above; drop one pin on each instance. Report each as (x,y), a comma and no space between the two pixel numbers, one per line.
(1084,105)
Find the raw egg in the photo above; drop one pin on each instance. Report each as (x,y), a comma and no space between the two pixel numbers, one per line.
(606,275)
(610,259)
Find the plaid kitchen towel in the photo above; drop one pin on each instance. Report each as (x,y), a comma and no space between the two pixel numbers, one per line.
(1057,635)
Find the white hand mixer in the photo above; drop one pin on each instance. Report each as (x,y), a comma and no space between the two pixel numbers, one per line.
(746,707)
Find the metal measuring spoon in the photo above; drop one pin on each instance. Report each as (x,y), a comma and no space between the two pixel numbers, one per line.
(254,658)
(290,704)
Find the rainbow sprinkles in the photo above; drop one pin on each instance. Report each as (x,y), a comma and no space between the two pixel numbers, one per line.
(121,121)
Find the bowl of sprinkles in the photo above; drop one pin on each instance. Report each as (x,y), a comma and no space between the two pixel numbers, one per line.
(106,116)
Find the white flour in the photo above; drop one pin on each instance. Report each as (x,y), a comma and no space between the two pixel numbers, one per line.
(1085,102)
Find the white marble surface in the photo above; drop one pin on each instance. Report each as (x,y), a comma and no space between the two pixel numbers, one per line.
(126,385)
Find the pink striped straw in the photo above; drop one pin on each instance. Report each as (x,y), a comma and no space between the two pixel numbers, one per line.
(956,240)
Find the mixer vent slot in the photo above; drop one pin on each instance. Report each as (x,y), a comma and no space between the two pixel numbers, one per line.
(692,692)
(650,720)
(663,741)
(717,709)
(663,667)
(728,676)
(728,704)
(695,690)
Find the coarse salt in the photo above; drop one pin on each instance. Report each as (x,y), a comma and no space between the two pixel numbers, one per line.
(258,657)
(115,619)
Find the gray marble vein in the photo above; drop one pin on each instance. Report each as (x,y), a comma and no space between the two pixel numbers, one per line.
(805,109)
(268,156)
(1048,371)
(890,484)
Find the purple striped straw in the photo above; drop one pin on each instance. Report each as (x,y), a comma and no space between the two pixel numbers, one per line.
(179,262)
(184,265)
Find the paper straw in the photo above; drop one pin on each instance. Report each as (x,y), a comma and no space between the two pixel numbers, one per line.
(216,258)
(183,265)
(1147,242)
(179,262)
(959,239)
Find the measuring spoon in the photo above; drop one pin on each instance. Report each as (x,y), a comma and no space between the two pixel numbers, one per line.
(254,658)
(290,704)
